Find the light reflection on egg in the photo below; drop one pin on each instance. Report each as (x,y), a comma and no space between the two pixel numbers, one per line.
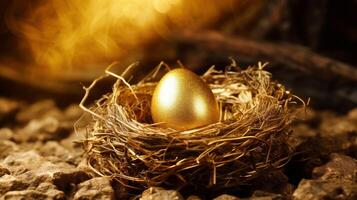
(182,100)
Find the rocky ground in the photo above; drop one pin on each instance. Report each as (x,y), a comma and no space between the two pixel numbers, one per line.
(40,159)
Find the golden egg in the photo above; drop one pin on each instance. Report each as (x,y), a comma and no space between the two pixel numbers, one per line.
(182,100)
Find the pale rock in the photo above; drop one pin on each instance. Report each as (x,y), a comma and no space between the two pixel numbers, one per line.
(337,126)
(39,110)
(352,114)
(6,134)
(41,130)
(8,107)
(261,195)
(29,170)
(157,193)
(95,189)
(3,171)
(193,197)
(21,162)
(71,115)
(73,112)
(340,167)
(335,180)
(7,147)
(74,146)
(53,150)
(45,191)
(320,189)
(9,182)
(226,197)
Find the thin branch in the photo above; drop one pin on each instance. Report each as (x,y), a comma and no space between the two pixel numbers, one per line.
(285,54)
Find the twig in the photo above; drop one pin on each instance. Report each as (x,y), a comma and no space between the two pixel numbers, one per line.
(288,55)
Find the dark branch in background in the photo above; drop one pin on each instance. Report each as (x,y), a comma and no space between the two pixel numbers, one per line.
(288,55)
(330,83)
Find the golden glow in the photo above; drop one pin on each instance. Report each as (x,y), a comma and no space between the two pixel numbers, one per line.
(183,101)
(61,35)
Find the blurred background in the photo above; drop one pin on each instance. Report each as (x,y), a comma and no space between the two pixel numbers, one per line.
(48,49)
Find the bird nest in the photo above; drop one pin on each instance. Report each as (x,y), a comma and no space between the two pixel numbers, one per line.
(249,140)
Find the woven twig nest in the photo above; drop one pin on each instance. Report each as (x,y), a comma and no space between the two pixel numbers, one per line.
(250,139)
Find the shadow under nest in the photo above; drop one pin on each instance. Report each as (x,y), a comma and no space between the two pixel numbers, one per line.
(249,140)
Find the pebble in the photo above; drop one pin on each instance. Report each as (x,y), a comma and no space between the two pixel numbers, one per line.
(98,188)
(157,193)
(334,180)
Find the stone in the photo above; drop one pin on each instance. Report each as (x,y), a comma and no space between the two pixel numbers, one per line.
(337,126)
(7,147)
(73,144)
(318,148)
(335,180)
(193,197)
(321,189)
(62,174)
(157,193)
(262,195)
(300,133)
(6,134)
(73,112)
(39,110)
(325,115)
(48,109)
(44,191)
(53,150)
(304,131)
(50,190)
(21,162)
(39,159)
(25,194)
(46,122)
(29,170)
(96,188)
(9,182)
(70,116)
(340,167)
(3,171)
(41,130)
(226,197)
(352,114)
(8,107)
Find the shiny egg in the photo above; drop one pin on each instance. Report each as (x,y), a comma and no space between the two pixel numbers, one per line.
(182,100)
